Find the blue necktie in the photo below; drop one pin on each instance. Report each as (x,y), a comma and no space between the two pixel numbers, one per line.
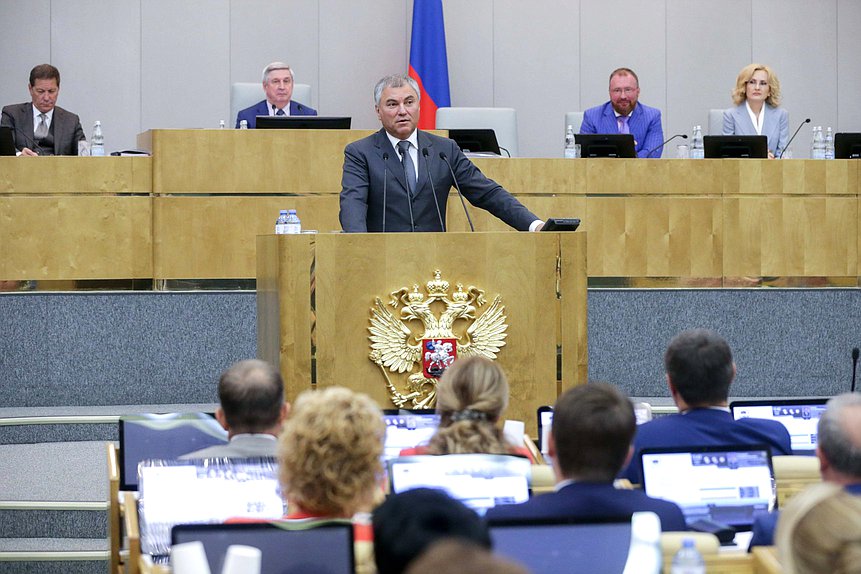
(623,125)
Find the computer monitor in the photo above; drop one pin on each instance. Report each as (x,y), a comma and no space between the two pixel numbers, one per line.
(731,484)
(303,122)
(716,147)
(480,481)
(407,429)
(606,145)
(204,491)
(799,416)
(163,436)
(7,141)
(847,146)
(475,140)
(564,545)
(321,548)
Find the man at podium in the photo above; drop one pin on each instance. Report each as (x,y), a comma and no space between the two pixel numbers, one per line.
(399,178)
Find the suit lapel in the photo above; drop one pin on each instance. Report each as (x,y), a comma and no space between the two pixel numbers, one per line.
(28,127)
(611,125)
(423,167)
(58,125)
(742,117)
(394,164)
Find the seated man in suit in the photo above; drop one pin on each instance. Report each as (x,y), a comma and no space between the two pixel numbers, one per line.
(624,114)
(590,442)
(700,369)
(409,192)
(278,86)
(252,411)
(839,452)
(39,126)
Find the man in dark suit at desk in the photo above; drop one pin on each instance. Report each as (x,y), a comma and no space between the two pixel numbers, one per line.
(700,369)
(278,87)
(590,441)
(39,126)
(399,178)
(252,411)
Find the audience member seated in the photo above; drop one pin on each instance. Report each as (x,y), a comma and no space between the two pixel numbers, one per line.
(839,454)
(278,87)
(252,411)
(471,397)
(458,557)
(408,523)
(589,443)
(700,369)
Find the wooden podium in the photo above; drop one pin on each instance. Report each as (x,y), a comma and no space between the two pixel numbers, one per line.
(315,293)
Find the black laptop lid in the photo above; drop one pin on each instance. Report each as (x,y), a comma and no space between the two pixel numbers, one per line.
(7,141)
(477,140)
(606,145)
(716,147)
(303,122)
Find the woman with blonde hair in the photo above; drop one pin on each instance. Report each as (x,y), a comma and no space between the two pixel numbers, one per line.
(471,397)
(756,97)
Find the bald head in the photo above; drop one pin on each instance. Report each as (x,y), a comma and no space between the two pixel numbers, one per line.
(252,397)
(839,441)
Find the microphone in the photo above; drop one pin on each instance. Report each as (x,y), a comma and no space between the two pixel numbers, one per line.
(786,147)
(855,353)
(31,143)
(385,185)
(433,189)
(683,136)
(443,157)
(409,199)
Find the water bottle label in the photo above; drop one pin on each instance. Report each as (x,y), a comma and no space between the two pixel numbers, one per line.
(97,151)
(293,228)
(280,228)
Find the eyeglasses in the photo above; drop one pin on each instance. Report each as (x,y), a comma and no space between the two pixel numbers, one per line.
(620,91)
(755,83)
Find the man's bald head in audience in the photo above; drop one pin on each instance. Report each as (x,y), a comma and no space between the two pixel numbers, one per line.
(252,398)
(839,440)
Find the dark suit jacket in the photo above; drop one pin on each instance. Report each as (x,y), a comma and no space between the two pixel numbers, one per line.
(261,108)
(644,124)
(240,446)
(65,125)
(365,171)
(592,500)
(706,427)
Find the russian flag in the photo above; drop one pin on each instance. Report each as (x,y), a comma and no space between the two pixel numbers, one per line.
(428,61)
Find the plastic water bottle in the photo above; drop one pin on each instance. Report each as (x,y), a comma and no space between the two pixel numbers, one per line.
(644,554)
(293,224)
(829,144)
(97,147)
(688,560)
(818,151)
(221,124)
(281,223)
(243,125)
(697,149)
(570,150)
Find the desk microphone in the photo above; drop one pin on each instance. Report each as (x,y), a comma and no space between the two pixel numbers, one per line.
(31,143)
(443,157)
(786,147)
(683,136)
(433,189)
(385,185)
(855,353)
(409,199)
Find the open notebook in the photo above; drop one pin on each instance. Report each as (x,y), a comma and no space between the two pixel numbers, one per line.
(731,485)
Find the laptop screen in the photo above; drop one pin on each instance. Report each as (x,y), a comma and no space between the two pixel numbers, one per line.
(407,429)
(564,546)
(799,416)
(480,481)
(165,436)
(731,485)
(321,549)
(642,412)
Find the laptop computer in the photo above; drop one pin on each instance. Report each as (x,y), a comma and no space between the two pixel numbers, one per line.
(730,484)
(324,548)
(480,481)
(799,416)
(407,429)
(606,145)
(303,122)
(7,141)
(163,436)
(476,141)
(716,147)
(564,545)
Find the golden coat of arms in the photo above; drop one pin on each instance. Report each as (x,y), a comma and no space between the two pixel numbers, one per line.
(431,329)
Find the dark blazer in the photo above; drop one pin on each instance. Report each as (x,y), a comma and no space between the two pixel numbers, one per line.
(365,171)
(644,124)
(261,108)
(65,126)
(705,427)
(592,500)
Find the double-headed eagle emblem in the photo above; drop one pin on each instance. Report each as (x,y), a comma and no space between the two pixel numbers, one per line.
(428,333)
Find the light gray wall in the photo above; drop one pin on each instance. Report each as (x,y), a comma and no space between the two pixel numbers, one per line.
(141,64)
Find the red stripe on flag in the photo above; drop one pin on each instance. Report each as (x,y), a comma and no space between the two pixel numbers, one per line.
(427,107)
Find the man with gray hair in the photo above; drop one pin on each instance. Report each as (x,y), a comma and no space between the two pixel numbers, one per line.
(278,87)
(399,178)
(838,449)
(252,411)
